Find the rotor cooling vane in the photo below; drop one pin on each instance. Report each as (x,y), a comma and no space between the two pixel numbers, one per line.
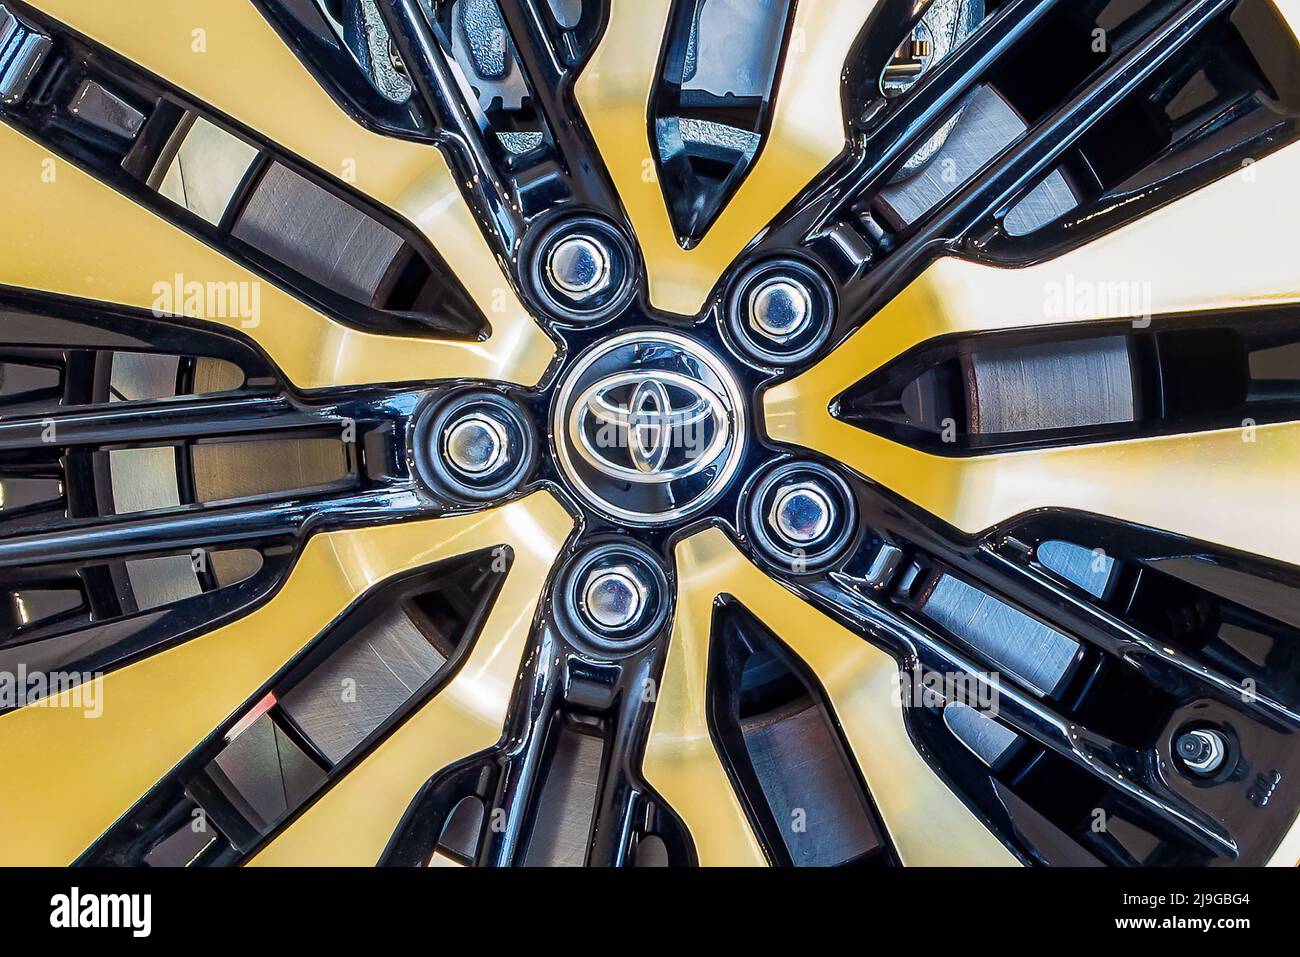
(794,432)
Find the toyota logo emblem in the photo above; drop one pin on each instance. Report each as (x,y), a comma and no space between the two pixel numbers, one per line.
(647,426)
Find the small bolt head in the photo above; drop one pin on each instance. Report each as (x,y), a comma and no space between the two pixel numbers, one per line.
(476,445)
(801,513)
(780,308)
(1203,750)
(613,598)
(578,266)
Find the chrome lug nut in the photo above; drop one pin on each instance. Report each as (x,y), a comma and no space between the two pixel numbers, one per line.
(614,598)
(801,513)
(780,312)
(780,308)
(1203,751)
(578,266)
(476,445)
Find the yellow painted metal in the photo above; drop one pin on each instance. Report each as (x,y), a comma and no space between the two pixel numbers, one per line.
(680,760)
(225,54)
(69,776)
(927,822)
(807,133)
(1233,487)
(352,822)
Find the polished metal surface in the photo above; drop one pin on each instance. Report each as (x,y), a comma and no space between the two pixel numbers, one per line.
(578,266)
(476,445)
(384,663)
(780,308)
(567,804)
(1203,750)
(648,426)
(986,124)
(318,234)
(797,761)
(1052,386)
(1040,656)
(614,598)
(801,513)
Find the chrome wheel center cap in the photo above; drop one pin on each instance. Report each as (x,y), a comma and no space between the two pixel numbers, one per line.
(649,427)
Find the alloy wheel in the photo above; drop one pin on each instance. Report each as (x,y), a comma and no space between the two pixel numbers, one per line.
(543,432)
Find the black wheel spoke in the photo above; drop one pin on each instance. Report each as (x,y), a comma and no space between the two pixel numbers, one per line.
(200,526)
(896,131)
(893,130)
(1021,165)
(1039,594)
(1127,769)
(456,130)
(162,421)
(550,73)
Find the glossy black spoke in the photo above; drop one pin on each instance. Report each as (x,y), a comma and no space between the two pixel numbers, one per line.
(1002,568)
(70,332)
(1020,166)
(180,530)
(455,127)
(574,721)
(89,646)
(1132,771)
(566,786)
(521,763)
(550,74)
(1056,603)
(158,421)
(825,217)
(625,808)
(893,130)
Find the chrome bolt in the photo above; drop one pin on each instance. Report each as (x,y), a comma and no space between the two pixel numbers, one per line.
(801,513)
(780,308)
(476,445)
(578,266)
(910,62)
(1203,751)
(613,598)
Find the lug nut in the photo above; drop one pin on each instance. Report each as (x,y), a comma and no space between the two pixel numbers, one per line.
(1203,751)
(578,266)
(780,312)
(780,308)
(613,598)
(476,445)
(801,513)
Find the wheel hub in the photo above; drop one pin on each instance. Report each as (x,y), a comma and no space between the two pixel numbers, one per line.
(648,427)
